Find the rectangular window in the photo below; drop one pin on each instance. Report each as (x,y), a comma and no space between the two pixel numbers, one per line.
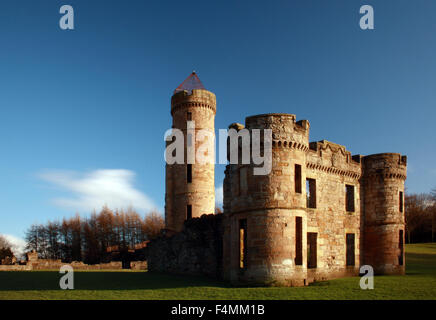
(297,178)
(189,116)
(401,247)
(350,249)
(189,173)
(298,241)
(311,193)
(401,201)
(349,201)
(189,212)
(243,243)
(311,250)
(243,185)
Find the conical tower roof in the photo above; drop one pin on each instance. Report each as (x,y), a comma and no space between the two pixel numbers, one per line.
(191,82)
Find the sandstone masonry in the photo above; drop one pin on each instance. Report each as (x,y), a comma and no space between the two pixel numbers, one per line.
(321,213)
(190,188)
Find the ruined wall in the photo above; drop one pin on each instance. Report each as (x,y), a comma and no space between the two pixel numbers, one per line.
(269,229)
(138,265)
(270,205)
(332,167)
(15,267)
(196,250)
(51,264)
(56,265)
(200,193)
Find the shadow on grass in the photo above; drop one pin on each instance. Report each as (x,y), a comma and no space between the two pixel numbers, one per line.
(417,264)
(421,264)
(49,280)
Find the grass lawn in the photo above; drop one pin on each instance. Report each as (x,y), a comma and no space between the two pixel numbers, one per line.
(419,283)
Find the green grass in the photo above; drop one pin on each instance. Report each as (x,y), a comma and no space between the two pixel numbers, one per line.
(418,283)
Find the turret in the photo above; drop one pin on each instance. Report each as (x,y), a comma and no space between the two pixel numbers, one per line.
(190,187)
(384,222)
(263,210)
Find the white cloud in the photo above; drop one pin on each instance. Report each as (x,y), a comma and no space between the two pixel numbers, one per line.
(18,244)
(219,196)
(92,190)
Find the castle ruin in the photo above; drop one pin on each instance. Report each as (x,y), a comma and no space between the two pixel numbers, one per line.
(321,213)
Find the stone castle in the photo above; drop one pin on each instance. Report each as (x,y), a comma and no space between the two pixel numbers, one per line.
(321,213)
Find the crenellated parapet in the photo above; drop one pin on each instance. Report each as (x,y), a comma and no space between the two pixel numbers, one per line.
(286,131)
(386,165)
(333,158)
(197,98)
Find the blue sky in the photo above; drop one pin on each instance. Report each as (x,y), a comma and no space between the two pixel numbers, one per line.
(87,109)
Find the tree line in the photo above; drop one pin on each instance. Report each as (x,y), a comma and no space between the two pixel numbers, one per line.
(5,248)
(420,212)
(88,239)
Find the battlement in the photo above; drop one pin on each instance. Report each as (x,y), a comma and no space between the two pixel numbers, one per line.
(388,165)
(286,132)
(323,145)
(286,116)
(332,158)
(200,98)
(393,158)
(268,120)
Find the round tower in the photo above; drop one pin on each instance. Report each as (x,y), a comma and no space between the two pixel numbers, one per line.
(384,223)
(190,186)
(265,210)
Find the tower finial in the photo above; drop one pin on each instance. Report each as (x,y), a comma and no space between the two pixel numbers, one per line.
(190,83)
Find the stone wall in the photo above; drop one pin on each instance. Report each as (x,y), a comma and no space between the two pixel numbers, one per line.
(15,268)
(269,206)
(332,167)
(196,250)
(48,264)
(139,265)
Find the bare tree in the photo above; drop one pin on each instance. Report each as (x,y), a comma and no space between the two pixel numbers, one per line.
(153,223)
(34,238)
(93,239)
(419,211)
(4,243)
(5,249)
